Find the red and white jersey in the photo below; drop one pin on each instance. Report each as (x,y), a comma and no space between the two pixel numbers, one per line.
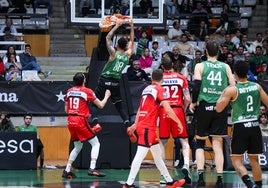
(174,83)
(151,98)
(78,99)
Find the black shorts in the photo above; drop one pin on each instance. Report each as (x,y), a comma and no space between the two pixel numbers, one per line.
(112,85)
(246,137)
(209,122)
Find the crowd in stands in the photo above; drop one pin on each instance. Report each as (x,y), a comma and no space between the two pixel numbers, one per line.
(11,63)
(20,6)
(188,48)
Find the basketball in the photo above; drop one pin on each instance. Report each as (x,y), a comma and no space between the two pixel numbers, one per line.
(107,23)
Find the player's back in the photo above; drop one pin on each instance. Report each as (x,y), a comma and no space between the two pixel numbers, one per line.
(214,81)
(77,99)
(151,98)
(174,83)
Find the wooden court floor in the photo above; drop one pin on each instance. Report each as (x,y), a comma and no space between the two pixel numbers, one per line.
(148,177)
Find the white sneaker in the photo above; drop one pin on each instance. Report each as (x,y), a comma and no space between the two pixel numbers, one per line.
(176,163)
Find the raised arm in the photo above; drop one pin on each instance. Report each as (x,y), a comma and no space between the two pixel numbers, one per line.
(130,49)
(109,42)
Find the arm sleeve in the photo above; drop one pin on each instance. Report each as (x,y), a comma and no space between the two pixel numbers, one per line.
(196,90)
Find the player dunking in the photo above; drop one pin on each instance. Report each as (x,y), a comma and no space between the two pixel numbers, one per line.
(112,71)
(77,108)
(153,96)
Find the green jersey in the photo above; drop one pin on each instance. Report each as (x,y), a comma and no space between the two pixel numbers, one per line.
(214,81)
(113,69)
(30,128)
(246,106)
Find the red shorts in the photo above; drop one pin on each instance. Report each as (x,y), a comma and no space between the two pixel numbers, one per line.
(79,128)
(147,137)
(167,126)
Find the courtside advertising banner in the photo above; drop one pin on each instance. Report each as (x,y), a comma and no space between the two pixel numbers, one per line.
(44,98)
(18,150)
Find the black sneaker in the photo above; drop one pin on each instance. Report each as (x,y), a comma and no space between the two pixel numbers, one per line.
(187,175)
(219,183)
(201,182)
(128,186)
(68,175)
(94,172)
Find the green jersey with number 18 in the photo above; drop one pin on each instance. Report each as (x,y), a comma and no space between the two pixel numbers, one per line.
(214,81)
(113,69)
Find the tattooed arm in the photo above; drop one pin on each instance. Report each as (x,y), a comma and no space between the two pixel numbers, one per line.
(109,42)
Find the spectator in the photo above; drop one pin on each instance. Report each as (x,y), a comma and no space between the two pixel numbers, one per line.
(252,66)
(264,124)
(6,124)
(7,37)
(171,6)
(230,61)
(2,70)
(9,23)
(257,42)
(146,61)
(12,74)
(197,59)
(184,47)
(179,62)
(146,7)
(220,38)
(156,53)
(246,45)
(199,9)
(47,3)
(236,39)
(12,61)
(29,62)
(201,32)
(10,50)
(142,44)
(258,59)
(223,53)
(135,73)
(265,47)
(266,34)
(224,23)
(198,14)
(174,33)
(138,32)
(230,45)
(263,110)
(240,54)
(263,75)
(28,127)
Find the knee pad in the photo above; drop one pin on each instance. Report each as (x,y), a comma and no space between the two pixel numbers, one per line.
(200,144)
